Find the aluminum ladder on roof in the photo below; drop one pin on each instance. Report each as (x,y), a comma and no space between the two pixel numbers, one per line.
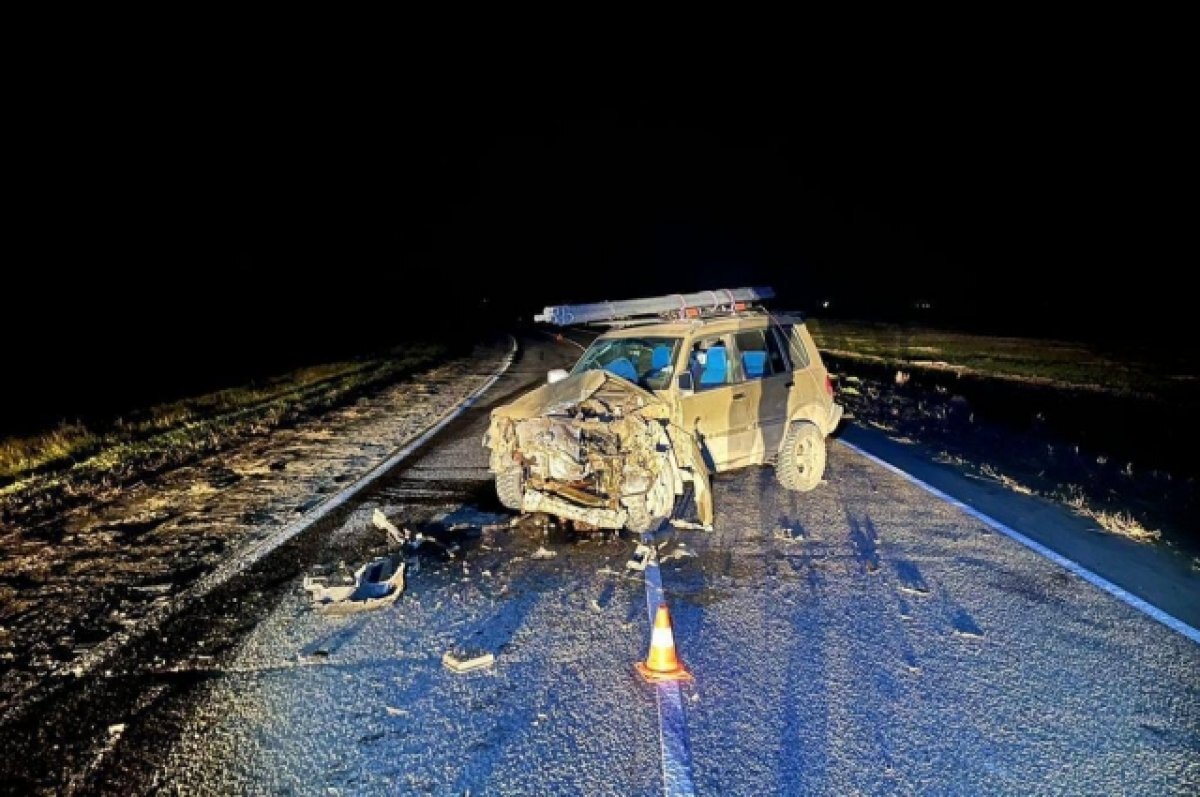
(727,299)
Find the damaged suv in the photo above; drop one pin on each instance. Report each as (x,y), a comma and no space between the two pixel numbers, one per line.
(653,407)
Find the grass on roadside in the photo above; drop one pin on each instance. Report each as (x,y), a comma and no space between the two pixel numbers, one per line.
(169,431)
(1051,362)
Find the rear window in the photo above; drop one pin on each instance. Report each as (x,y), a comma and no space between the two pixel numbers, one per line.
(795,344)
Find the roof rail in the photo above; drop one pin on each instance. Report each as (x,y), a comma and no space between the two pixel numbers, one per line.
(675,305)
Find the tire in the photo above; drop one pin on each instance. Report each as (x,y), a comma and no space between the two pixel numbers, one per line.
(801,462)
(510,488)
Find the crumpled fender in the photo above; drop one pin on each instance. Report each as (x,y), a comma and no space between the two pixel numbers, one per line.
(687,450)
(576,389)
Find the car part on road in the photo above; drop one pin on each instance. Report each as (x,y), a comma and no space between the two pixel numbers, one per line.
(395,536)
(455,664)
(376,584)
(640,558)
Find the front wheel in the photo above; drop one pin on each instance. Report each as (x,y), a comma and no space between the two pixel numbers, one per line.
(640,519)
(801,462)
(510,488)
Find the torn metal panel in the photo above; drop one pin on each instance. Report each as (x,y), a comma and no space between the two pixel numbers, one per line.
(693,467)
(538,501)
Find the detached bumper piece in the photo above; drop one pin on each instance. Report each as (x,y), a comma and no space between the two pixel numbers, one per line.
(378,583)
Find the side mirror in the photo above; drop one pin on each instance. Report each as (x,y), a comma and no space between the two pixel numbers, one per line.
(556,375)
(684,380)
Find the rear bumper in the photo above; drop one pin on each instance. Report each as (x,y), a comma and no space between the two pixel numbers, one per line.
(835,417)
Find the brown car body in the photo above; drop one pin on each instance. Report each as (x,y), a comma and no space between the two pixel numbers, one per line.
(613,444)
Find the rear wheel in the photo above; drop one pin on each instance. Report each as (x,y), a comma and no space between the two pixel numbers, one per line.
(801,462)
(510,488)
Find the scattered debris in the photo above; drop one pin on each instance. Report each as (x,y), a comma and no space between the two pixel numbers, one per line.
(543,553)
(455,664)
(153,589)
(680,523)
(641,557)
(789,534)
(376,584)
(680,551)
(395,536)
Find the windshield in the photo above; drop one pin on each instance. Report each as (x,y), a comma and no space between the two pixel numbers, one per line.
(645,361)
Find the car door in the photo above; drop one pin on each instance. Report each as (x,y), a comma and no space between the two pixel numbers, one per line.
(766,382)
(716,409)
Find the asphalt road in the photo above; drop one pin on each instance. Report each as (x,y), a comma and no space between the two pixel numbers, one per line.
(866,638)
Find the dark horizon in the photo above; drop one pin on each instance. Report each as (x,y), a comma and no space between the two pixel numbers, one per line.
(998,207)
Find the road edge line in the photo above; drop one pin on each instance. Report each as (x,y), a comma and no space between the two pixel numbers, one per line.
(674,748)
(256,552)
(1096,580)
(261,549)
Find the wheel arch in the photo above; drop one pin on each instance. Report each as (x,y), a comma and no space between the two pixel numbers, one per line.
(814,412)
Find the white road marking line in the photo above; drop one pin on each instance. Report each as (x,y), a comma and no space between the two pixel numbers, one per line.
(672,721)
(1149,609)
(253,554)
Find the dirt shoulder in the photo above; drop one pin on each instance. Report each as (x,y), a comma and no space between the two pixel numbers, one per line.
(74,577)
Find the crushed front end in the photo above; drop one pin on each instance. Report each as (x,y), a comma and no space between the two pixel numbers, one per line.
(594,449)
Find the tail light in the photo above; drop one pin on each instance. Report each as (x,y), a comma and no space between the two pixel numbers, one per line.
(828,385)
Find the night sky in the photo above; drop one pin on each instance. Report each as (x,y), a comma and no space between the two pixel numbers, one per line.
(998,197)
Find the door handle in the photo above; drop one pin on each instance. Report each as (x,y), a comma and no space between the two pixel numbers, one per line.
(737,396)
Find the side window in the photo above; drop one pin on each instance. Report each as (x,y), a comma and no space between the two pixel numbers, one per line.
(775,353)
(709,363)
(760,354)
(795,346)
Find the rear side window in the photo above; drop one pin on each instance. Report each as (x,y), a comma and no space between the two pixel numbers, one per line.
(795,345)
(760,353)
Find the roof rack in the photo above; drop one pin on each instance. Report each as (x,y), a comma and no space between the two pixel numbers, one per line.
(675,305)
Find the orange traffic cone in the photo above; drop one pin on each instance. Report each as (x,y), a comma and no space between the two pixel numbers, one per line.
(661,663)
